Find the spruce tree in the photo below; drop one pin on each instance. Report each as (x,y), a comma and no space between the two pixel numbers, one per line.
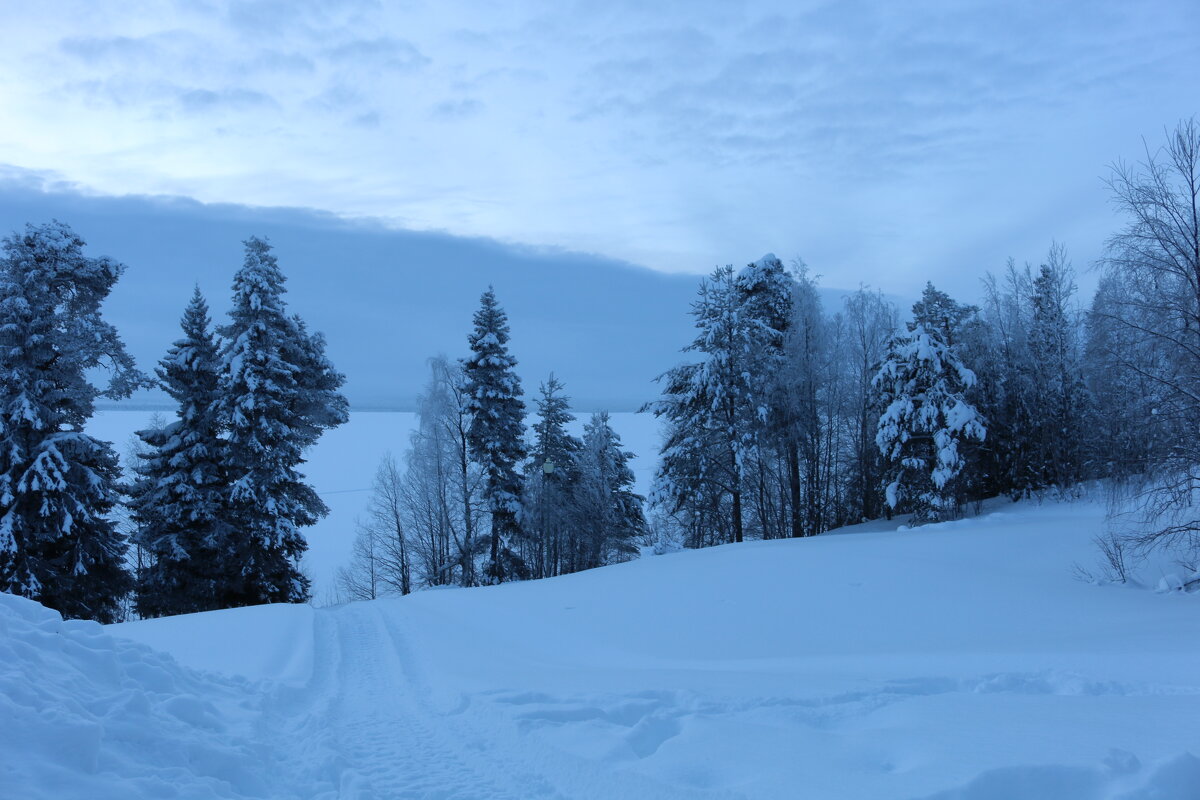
(278,393)
(551,478)
(1061,404)
(179,495)
(497,431)
(58,542)
(609,514)
(925,421)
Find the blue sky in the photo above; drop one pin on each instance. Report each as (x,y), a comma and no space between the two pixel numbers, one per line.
(884,143)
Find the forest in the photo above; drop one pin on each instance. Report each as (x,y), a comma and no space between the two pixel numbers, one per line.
(783,419)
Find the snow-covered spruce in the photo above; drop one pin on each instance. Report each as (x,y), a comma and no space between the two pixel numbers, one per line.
(924,424)
(497,431)
(609,514)
(58,542)
(180,497)
(551,545)
(278,394)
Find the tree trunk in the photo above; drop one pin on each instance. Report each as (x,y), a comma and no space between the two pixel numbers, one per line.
(793,459)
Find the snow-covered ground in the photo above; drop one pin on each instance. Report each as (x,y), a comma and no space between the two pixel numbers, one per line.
(342,467)
(954,661)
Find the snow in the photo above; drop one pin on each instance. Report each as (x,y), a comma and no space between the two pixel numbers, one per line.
(270,642)
(90,715)
(957,660)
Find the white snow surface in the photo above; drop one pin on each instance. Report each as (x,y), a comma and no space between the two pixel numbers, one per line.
(960,660)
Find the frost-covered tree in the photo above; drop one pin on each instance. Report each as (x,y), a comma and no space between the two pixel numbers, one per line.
(1120,366)
(497,432)
(941,315)
(59,543)
(1149,330)
(551,477)
(278,394)
(774,303)
(924,423)
(609,518)
(179,497)
(716,410)
(381,562)
(1061,407)
(870,322)
(442,486)
(808,379)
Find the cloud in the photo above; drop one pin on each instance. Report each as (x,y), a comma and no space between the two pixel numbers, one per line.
(877,137)
(204,100)
(115,49)
(457,109)
(380,52)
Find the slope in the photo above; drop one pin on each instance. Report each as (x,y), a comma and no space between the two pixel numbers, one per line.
(955,661)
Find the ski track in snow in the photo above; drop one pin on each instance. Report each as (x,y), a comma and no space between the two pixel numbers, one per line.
(384,736)
(381,736)
(393,742)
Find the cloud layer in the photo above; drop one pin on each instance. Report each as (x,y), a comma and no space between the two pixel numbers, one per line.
(882,142)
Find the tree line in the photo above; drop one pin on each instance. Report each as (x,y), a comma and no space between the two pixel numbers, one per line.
(217,499)
(785,420)
(484,495)
(789,420)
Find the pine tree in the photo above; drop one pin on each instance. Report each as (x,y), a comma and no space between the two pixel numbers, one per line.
(941,315)
(925,421)
(714,408)
(58,486)
(775,303)
(497,431)
(734,411)
(278,394)
(179,496)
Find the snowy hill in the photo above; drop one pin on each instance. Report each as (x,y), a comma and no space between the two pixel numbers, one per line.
(960,660)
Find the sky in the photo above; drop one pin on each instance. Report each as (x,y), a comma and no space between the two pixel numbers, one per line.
(883,143)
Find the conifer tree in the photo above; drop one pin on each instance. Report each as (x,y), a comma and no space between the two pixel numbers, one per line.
(1061,405)
(718,408)
(941,315)
(179,496)
(278,394)
(609,515)
(924,423)
(497,431)
(58,542)
(550,480)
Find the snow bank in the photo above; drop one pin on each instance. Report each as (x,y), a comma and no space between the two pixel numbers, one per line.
(960,660)
(270,642)
(84,714)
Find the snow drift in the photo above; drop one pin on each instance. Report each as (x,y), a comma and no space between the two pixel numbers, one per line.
(959,660)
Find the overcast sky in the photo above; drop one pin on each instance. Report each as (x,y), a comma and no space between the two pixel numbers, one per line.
(883,142)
